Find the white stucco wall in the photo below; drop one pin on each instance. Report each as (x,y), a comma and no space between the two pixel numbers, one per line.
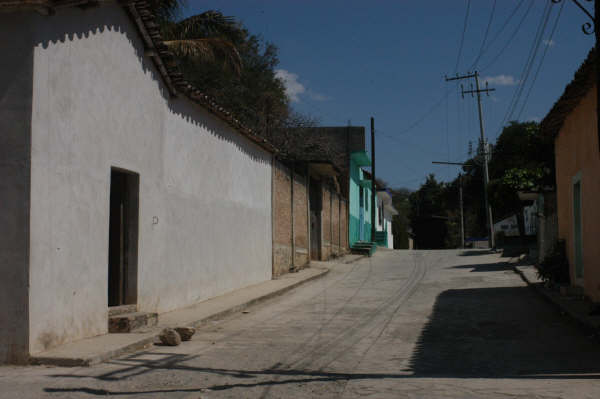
(388,221)
(98,103)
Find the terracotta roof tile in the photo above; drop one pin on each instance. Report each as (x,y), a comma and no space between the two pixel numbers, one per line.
(582,82)
(140,11)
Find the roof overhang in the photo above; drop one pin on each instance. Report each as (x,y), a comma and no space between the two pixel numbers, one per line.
(140,12)
(365,183)
(323,168)
(385,195)
(390,208)
(361,158)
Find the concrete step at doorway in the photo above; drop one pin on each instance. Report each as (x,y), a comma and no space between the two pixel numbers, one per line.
(364,248)
(130,322)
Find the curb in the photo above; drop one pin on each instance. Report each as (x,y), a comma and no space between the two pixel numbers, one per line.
(256,300)
(148,339)
(580,319)
(355,260)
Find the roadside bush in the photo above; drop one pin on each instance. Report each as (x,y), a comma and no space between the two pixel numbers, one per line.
(555,267)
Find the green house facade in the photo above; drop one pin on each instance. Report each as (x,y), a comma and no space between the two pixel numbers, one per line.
(359,226)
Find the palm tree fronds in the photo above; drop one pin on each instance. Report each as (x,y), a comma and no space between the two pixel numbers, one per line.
(208,50)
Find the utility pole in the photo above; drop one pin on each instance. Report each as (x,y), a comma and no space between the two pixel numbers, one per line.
(486,175)
(373,179)
(462,217)
(460,200)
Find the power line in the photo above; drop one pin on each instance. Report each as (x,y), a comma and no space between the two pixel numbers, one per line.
(511,38)
(403,141)
(497,35)
(425,115)
(541,60)
(535,45)
(531,59)
(485,36)
(462,39)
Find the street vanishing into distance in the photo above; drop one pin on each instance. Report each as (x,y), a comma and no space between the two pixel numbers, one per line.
(414,324)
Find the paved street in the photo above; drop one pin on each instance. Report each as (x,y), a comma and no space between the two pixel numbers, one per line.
(421,324)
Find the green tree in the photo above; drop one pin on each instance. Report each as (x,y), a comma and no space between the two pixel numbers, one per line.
(429,214)
(522,160)
(221,57)
(401,221)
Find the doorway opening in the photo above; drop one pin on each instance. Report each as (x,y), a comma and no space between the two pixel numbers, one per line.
(123,237)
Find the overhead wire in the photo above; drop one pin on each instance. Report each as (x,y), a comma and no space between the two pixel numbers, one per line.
(547,46)
(462,39)
(424,116)
(485,36)
(531,59)
(527,67)
(511,38)
(499,32)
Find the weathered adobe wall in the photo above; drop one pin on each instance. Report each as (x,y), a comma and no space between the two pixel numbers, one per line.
(344,226)
(335,220)
(283,242)
(334,225)
(16,68)
(576,149)
(282,219)
(326,224)
(205,191)
(301,220)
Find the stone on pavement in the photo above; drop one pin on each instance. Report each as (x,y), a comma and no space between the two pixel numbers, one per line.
(185,332)
(170,337)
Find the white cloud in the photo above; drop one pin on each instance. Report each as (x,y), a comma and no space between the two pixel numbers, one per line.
(549,42)
(317,96)
(501,80)
(294,89)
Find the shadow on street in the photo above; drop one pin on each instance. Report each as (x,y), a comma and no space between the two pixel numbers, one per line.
(498,332)
(501,332)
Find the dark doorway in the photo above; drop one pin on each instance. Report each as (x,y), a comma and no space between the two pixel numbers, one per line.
(315,198)
(123,237)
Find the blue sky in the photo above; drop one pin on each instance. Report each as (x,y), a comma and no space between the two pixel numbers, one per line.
(345,61)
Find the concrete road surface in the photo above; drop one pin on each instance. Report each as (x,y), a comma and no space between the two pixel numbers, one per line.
(419,324)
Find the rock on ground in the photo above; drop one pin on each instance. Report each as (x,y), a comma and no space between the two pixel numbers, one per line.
(185,332)
(170,337)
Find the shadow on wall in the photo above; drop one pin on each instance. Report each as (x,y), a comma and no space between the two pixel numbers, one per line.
(489,333)
(84,24)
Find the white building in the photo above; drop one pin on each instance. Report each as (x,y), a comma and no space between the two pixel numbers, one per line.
(119,183)
(385,213)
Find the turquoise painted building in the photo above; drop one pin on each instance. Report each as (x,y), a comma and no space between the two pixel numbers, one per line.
(359,194)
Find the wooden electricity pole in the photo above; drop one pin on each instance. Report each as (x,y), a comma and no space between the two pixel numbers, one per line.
(486,175)
(372,179)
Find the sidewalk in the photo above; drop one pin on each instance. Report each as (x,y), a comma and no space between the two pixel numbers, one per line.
(574,306)
(98,349)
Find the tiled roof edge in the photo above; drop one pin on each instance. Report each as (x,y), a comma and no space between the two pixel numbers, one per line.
(574,92)
(141,13)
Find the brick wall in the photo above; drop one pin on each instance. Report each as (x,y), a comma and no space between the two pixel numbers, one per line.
(335,216)
(282,219)
(325,225)
(301,220)
(334,226)
(344,225)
